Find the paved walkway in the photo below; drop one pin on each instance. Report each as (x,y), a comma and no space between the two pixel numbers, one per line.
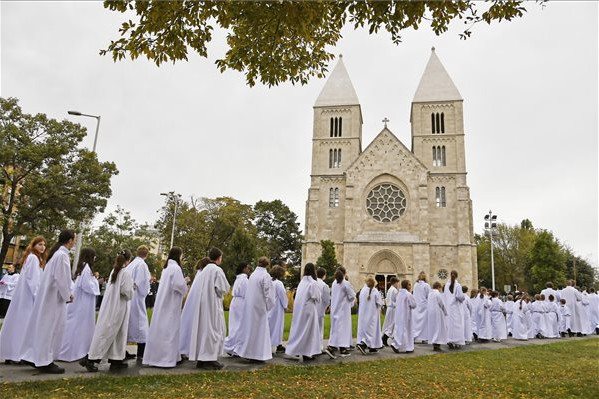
(9,373)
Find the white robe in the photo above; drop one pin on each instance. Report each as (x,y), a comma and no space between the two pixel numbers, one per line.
(138,317)
(403,333)
(110,335)
(304,336)
(389,322)
(191,303)
(484,318)
(21,306)
(254,339)
(208,328)
(7,289)
(552,319)
(343,297)
(455,315)
(325,302)
(236,309)
(519,320)
(585,314)
(437,318)
(475,306)
(276,315)
(467,309)
(421,292)
(572,297)
(538,318)
(551,291)
(43,335)
(594,308)
(509,315)
(498,325)
(369,317)
(81,317)
(162,346)
(564,322)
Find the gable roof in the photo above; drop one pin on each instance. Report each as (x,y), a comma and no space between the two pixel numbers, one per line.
(435,84)
(338,89)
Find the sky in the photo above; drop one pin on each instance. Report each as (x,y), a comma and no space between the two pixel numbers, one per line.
(530,90)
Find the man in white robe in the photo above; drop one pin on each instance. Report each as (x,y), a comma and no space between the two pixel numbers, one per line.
(208,328)
(43,337)
(138,317)
(403,333)
(254,337)
(550,291)
(572,297)
(325,298)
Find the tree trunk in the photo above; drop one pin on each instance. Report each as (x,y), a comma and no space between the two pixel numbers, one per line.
(4,249)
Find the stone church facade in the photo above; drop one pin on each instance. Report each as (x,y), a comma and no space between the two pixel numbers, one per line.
(392,211)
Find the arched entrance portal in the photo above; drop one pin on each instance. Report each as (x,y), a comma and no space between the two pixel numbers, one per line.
(385,264)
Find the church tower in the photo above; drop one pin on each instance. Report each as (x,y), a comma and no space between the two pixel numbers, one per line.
(336,143)
(437,120)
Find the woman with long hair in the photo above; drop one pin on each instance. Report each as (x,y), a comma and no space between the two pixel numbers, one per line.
(403,332)
(15,322)
(43,334)
(343,298)
(187,314)
(236,307)
(81,313)
(162,346)
(276,316)
(455,320)
(110,335)
(369,318)
(420,319)
(519,322)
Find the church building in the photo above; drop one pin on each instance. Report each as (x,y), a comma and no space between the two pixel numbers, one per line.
(390,210)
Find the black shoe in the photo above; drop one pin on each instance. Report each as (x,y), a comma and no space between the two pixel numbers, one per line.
(256,361)
(280,349)
(28,363)
(509,335)
(88,364)
(437,348)
(308,358)
(329,353)
(344,352)
(361,347)
(373,350)
(129,356)
(213,365)
(394,349)
(332,349)
(351,348)
(13,363)
(409,351)
(579,334)
(450,345)
(385,338)
(117,364)
(475,336)
(597,330)
(141,348)
(52,368)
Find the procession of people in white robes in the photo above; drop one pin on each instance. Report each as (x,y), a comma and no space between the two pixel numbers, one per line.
(137,331)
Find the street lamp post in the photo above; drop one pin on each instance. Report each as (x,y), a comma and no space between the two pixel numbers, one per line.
(175,198)
(79,238)
(490,225)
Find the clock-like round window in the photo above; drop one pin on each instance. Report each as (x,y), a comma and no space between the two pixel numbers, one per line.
(442,274)
(386,203)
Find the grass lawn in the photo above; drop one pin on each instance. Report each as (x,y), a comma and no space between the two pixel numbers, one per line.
(558,370)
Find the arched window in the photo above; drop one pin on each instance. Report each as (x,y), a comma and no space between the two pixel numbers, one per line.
(443,197)
(438,197)
(339,158)
(434,156)
(331,197)
(331,132)
(336,201)
(437,124)
(442,122)
(433,123)
(443,163)
(330,158)
(340,126)
(336,127)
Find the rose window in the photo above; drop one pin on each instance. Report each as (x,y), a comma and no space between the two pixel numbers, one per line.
(442,274)
(386,203)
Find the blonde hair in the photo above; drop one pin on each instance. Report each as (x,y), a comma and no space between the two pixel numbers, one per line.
(370,283)
(422,276)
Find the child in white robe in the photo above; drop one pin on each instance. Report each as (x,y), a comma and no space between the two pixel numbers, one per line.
(594,307)
(509,314)
(325,299)
(552,318)
(162,346)
(369,318)
(236,307)
(276,316)
(485,332)
(187,315)
(437,318)
(403,333)
(137,332)
(421,292)
(390,300)
(467,309)
(498,327)
(81,313)
(564,322)
(110,334)
(343,298)
(519,319)
(538,317)
(455,317)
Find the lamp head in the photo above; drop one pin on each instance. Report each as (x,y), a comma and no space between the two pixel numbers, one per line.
(77,113)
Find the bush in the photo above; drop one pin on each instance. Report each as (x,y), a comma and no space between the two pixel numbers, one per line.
(227,299)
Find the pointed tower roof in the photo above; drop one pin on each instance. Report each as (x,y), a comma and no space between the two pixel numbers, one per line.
(435,84)
(338,90)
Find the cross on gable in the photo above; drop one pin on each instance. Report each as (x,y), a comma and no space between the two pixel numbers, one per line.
(385,121)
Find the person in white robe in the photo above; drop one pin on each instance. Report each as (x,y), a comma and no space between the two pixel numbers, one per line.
(191,303)
(254,340)
(369,318)
(437,317)
(304,337)
(519,323)
(552,318)
(454,297)
(8,283)
(585,313)
(162,345)
(484,316)
(509,314)
(343,298)
(236,308)
(390,300)
(573,297)
(208,328)
(325,298)
(43,335)
(110,335)
(403,332)
(550,291)
(137,331)
(276,315)
(564,322)
(81,313)
(474,305)
(498,324)
(594,308)
(467,309)
(421,292)
(538,317)
(15,322)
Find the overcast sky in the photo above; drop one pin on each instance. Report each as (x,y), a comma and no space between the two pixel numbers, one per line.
(530,91)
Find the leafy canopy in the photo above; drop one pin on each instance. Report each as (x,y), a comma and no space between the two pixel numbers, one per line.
(276,41)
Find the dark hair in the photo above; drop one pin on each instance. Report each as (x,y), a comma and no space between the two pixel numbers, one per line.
(263,262)
(549,284)
(87,256)
(454,275)
(339,275)
(562,301)
(405,283)
(393,280)
(321,272)
(64,237)
(510,298)
(551,298)
(202,263)
(277,273)
(123,257)
(437,285)
(214,254)
(310,270)
(481,292)
(591,290)
(494,294)
(464,289)
(174,254)
(241,267)
(542,296)
(342,269)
